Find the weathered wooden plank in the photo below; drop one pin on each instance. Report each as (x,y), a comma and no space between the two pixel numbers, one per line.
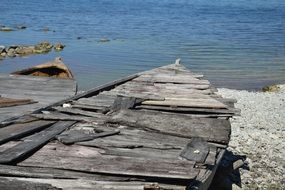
(91,108)
(15,131)
(183,86)
(33,142)
(189,110)
(13,184)
(66,117)
(173,79)
(136,138)
(179,102)
(95,102)
(78,112)
(133,94)
(215,130)
(78,136)
(86,184)
(92,161)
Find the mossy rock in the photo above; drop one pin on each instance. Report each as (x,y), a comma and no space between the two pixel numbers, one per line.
(271,88)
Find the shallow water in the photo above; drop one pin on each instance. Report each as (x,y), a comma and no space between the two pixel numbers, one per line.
(236,44)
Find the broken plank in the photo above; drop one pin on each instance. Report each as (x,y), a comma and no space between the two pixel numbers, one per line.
(106,164)
(33,142)
(230,111)
(15,131)
(66,117)
(197,103)
(89,184)
(176,80)
(216,130)
(78,136)
(78,112)
(52,173)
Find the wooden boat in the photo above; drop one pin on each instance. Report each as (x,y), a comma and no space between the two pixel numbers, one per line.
(160,129)
(30,89)
(54,68)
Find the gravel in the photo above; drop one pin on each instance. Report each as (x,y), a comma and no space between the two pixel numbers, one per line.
(259,135)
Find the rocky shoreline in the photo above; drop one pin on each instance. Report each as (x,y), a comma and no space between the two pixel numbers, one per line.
(258,139)
(23,50)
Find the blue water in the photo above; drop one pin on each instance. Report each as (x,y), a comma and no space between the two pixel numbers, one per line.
(236,44)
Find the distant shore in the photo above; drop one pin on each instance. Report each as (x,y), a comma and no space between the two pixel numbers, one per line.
(259,135)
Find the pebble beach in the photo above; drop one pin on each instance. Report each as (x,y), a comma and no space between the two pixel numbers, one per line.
(259,135)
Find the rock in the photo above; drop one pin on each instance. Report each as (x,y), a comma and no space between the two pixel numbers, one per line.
(11,53)
(3,54)
(6,29)
(43,47)
(58,47)
(24,50)
(79,38)
(21,27)
(104,40)
(271,88)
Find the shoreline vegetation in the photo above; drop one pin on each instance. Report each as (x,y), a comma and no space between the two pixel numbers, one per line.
(257,138)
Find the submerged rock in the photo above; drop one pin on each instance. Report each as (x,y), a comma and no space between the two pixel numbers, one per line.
(6,29)
(21,27)
(104,40)
(271,88)
(58,47)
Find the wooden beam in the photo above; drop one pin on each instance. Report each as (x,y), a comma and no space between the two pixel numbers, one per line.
(15,131)
(33,143)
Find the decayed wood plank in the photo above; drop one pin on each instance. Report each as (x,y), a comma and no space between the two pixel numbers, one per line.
(78,136)
(52,173)
(14,183)
(215,130)
(197,103)
(136,138)
(33,142)
(87,184)
(173,79)
(188,109)
(91,161)
(20,130)
(183,86)
(78,112)
(66,117)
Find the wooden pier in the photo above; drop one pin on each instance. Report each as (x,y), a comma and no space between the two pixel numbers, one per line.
(160,129)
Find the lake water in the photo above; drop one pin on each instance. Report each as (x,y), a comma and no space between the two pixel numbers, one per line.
(237,44)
